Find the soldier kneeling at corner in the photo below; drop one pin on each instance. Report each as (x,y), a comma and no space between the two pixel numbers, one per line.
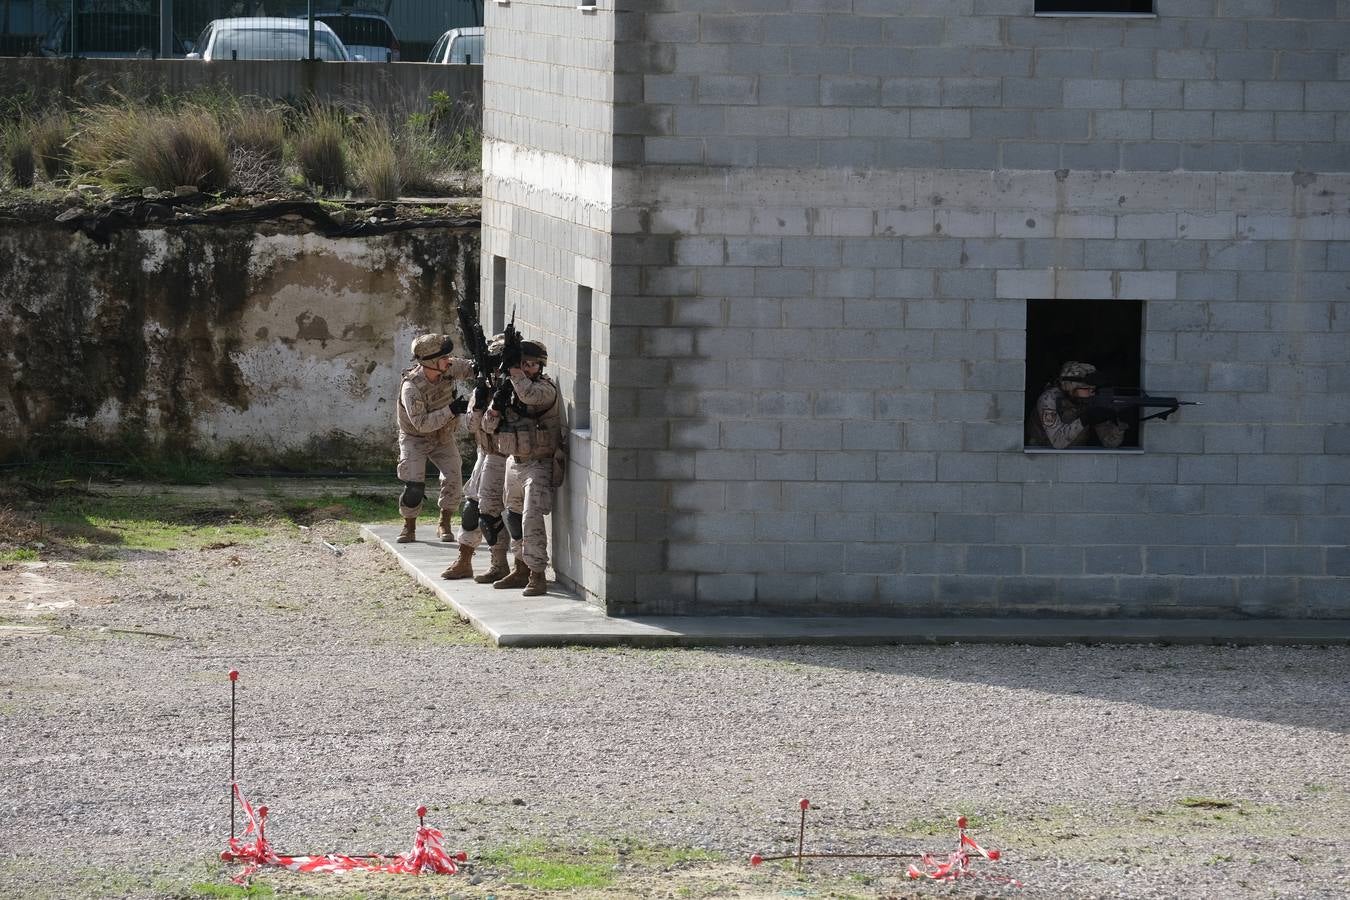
(428,416)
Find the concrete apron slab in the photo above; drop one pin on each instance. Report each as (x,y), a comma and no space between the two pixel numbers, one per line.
(561,619)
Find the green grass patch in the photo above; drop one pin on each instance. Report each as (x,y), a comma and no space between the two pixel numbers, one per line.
(592,866)
(207,889)
(19,554)
(149,523)
(545,868)
(349,508)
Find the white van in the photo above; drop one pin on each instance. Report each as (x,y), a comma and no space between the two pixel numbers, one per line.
(459,47)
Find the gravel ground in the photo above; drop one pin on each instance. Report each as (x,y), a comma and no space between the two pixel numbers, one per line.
(1100,771)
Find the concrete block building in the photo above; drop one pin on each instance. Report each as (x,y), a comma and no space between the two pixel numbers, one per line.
(804,266)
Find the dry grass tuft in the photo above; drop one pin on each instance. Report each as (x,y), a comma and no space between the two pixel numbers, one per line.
(138,147)
(18,150)
(319,147)
(50,135)
(376,165)
(257,127)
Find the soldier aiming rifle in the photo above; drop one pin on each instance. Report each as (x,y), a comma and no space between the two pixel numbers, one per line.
(1074,409)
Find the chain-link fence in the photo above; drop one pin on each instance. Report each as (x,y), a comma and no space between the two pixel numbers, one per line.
(385,31)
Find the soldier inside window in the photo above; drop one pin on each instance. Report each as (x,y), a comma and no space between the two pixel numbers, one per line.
(1066,416)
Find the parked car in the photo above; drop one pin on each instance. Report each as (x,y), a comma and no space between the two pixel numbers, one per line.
(365,34)
(267,37)
(108,35)
(459,47)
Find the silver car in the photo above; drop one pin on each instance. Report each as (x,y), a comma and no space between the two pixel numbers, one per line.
(459,47)
(267,37)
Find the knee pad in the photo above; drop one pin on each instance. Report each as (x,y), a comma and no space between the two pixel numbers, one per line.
(414,492)
(468,516)
(491,526)
(514,525)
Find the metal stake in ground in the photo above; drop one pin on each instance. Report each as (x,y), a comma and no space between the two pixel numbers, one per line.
(234,678)
(801,833)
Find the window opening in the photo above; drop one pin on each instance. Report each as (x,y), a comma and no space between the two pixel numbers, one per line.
(1074,346)
(1096,7)
(582,412)
(498,294)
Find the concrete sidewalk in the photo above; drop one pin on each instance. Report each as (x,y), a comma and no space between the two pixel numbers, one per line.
(562,619)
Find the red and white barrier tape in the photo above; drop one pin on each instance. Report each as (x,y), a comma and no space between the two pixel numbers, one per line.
(957,863)
(426,857)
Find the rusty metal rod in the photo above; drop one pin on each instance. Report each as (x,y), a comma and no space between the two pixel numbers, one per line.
(842,856)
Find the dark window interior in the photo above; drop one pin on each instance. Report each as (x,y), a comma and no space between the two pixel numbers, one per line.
(1106,333)
(1094,6)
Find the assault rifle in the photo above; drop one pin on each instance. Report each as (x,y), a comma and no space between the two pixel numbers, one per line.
(1116,400)
(511,355)
(475,343)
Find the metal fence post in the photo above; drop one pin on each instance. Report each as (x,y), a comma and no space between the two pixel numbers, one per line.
(166,29)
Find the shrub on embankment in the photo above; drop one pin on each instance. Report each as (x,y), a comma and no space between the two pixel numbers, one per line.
(222,143)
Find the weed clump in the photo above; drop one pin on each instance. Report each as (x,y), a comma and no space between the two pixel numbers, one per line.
(320,147)
(376,163)
(221,143)
(18,150)
(50,134)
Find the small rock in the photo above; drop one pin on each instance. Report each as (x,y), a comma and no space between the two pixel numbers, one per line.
(186,190)
(73,197)
(73,213)
(150,193)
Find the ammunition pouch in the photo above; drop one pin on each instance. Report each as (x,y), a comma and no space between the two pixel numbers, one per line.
(526,439)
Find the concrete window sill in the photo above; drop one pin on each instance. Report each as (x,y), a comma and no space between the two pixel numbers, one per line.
(1077,451)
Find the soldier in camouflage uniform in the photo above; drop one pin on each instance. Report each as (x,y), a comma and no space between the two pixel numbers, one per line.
(482,515)
(530,432)
(428,414)
(1065,412)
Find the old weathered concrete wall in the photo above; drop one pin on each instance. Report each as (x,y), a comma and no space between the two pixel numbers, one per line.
(264,343)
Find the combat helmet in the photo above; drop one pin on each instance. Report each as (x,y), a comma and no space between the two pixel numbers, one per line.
(534,350)
(1076,374)
(428,348)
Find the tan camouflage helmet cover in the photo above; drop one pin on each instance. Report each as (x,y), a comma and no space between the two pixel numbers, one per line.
(534,350)
(430,347)
(1076,372)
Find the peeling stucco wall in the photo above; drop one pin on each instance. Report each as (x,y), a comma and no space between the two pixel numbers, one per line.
(263,343)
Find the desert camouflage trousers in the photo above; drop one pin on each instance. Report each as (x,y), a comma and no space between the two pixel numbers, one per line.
(413,453)
(529,491)
(487,485)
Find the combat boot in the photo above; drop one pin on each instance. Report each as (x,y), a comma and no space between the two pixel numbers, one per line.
(409,532)
(463,567)
(538,585)
(519,577)
(499,569)
(446,529)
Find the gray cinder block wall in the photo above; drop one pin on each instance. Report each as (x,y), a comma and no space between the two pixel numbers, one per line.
(825,222)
